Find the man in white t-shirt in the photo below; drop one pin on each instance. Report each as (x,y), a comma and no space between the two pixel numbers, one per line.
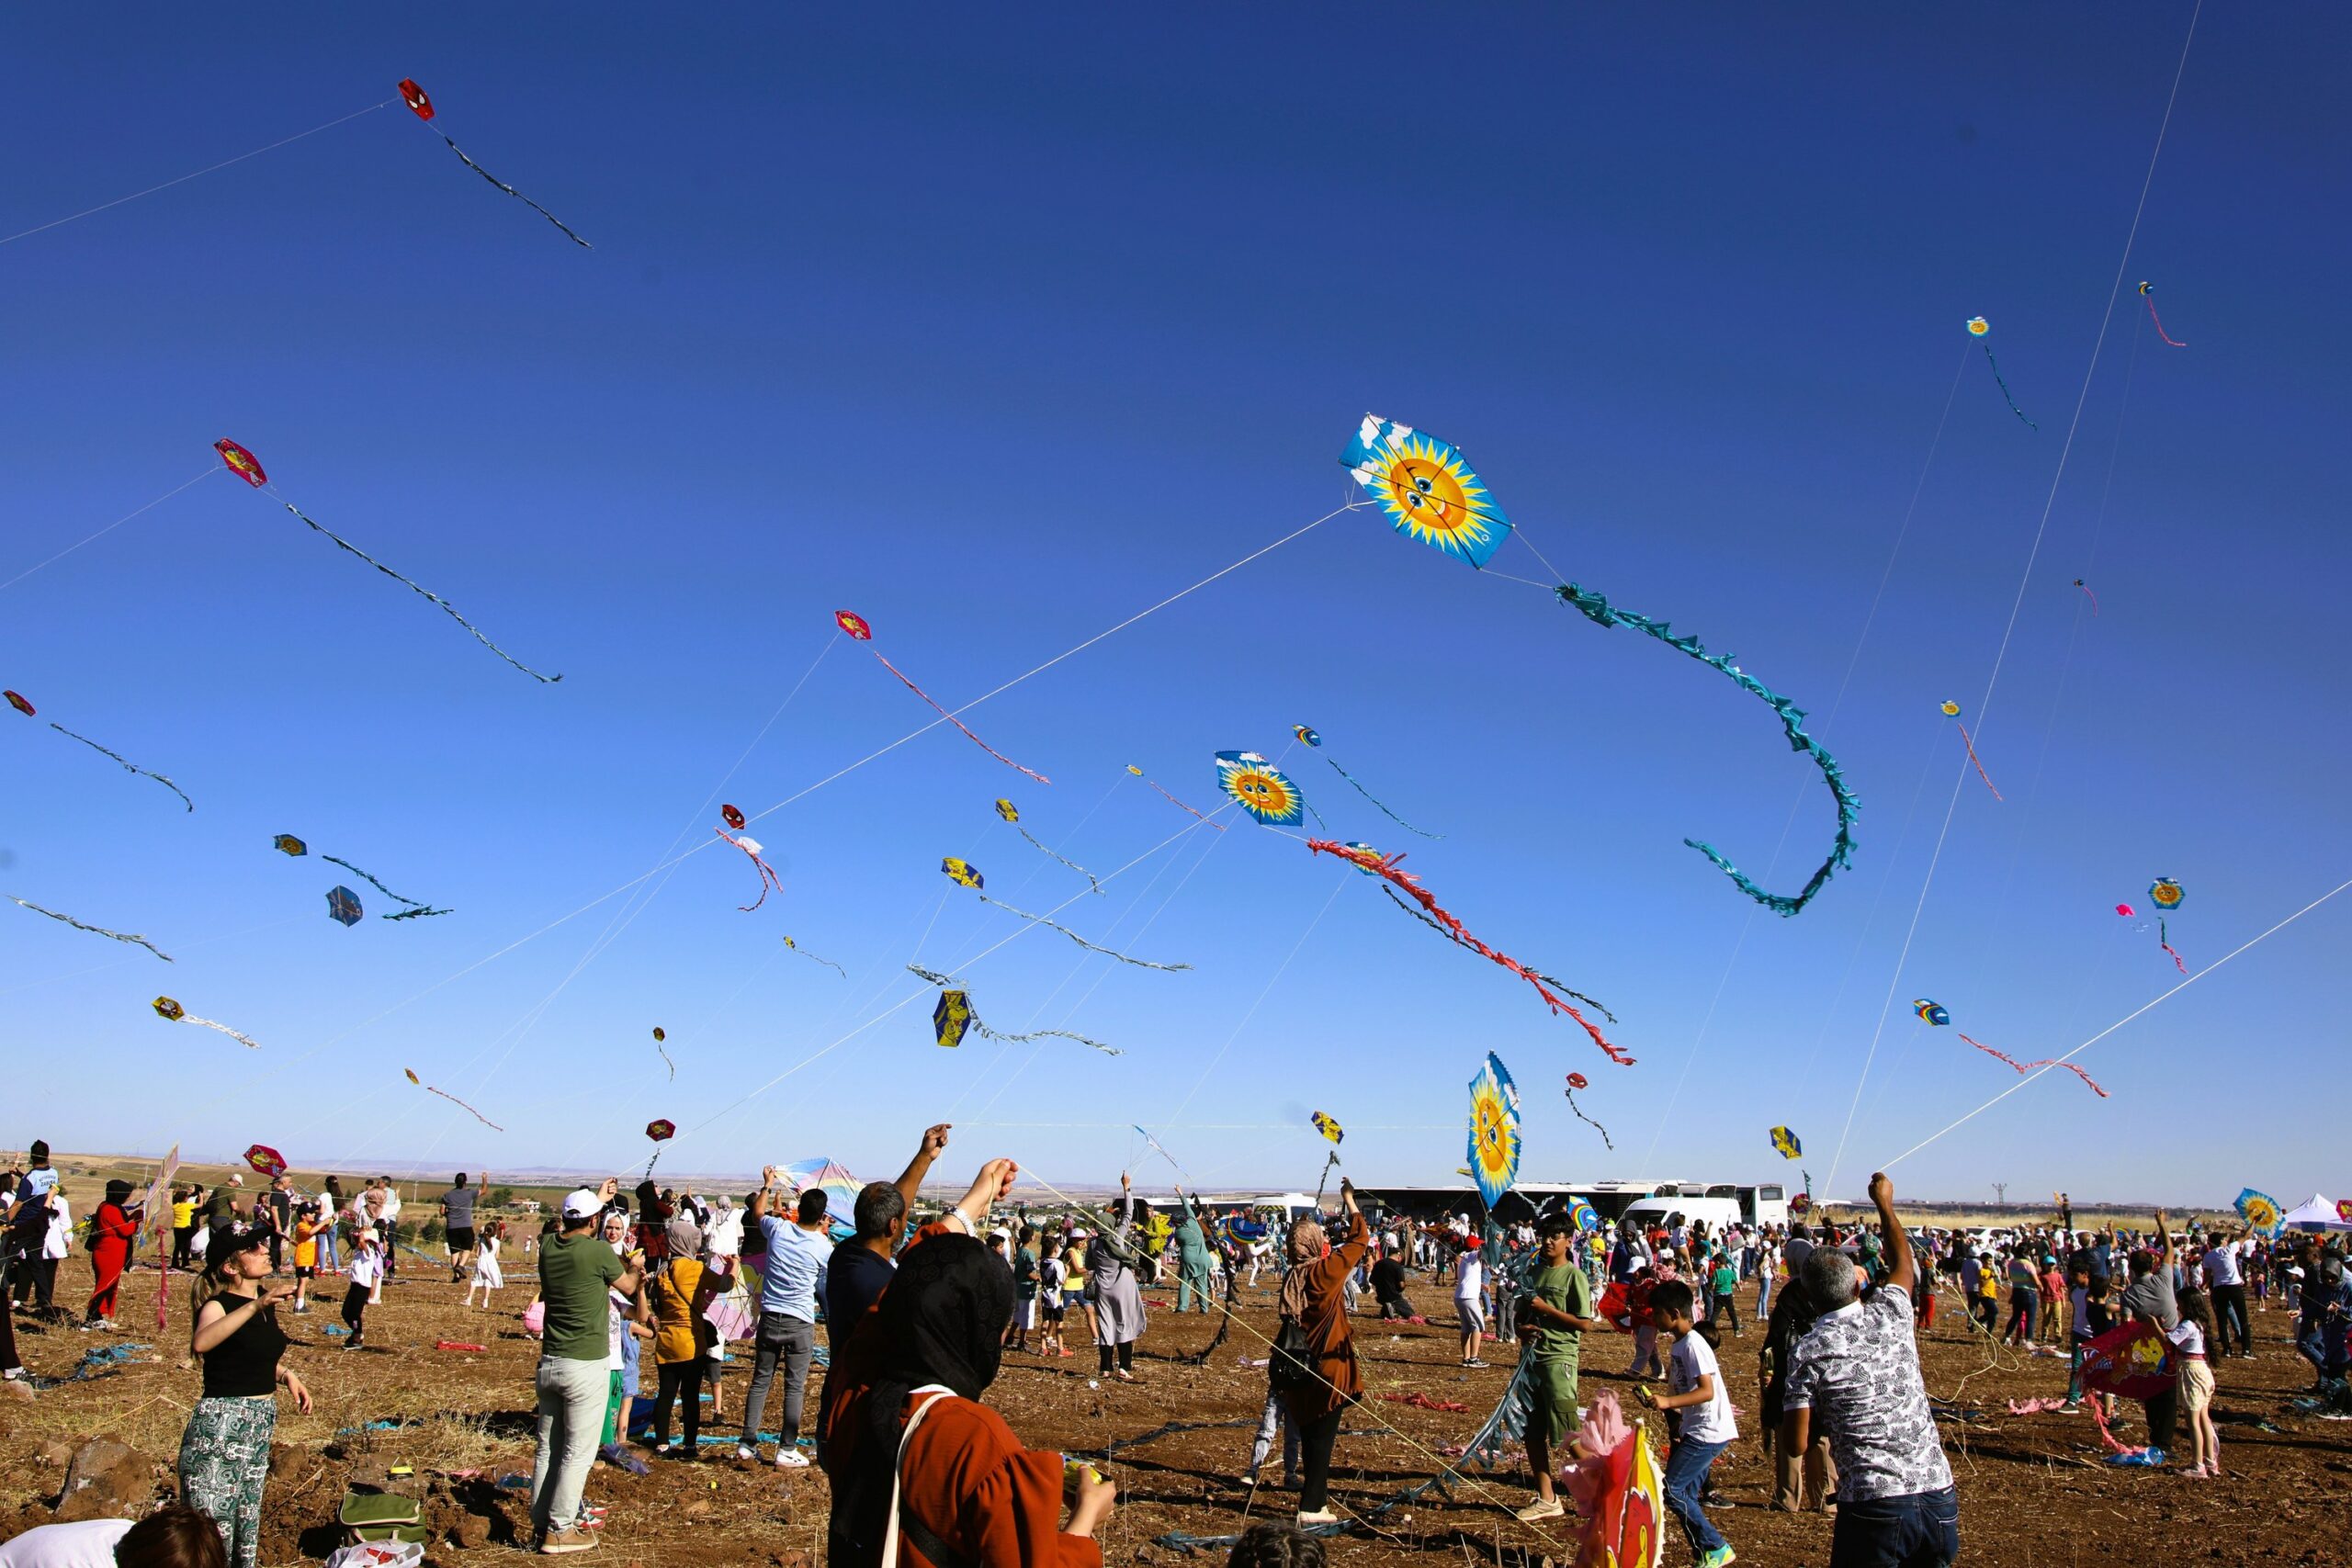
(1695,1387)
(1470,1298)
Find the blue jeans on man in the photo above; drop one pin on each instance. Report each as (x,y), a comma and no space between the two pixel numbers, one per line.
(1919,1530)
(1686,1477)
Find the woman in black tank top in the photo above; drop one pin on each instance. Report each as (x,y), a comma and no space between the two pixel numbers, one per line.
(224,1455)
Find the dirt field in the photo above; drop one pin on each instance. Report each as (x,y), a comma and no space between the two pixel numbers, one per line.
(2032,1490)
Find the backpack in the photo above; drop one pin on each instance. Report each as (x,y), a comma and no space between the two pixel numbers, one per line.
(1290,1365)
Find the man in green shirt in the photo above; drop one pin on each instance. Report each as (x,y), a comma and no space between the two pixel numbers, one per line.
(1553,1313)
(576,1271)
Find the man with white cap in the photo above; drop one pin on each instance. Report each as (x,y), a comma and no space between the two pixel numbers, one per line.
(576,1270)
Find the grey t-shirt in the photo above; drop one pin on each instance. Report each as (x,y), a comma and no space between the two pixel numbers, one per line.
(461,1202)
(1858,1371)
(2152,1294)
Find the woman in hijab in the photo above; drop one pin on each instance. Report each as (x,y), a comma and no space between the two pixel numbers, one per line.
(1312,1298)
(680,1292)
(111,1230)
(1118,1302)
(925,1476)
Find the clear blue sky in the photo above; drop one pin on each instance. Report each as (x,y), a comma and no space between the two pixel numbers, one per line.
(998,331)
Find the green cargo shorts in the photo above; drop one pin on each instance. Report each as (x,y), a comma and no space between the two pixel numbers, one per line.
(1554,1418)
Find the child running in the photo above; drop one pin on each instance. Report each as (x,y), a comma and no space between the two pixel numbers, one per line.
(1695,1387)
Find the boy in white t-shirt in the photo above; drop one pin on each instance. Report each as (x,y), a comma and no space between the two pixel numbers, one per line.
(1470,1298)
(1695,1388)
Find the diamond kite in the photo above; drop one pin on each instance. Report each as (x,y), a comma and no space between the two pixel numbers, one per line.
(1788,1143)
(1951,711)
(1494,1130)
(962,873)
(953,1017)
(814,959)
(165,1008)
(422,107)
(1258,788)
(1430,493)
(857,627)
(1329,1127)
(453,1099)
(965,875)
(659,1036)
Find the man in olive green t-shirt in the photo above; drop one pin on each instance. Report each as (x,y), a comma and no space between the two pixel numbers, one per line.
(576,1271)
(1553,1313)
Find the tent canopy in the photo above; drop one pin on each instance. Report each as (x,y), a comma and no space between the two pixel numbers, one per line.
(2315,1213)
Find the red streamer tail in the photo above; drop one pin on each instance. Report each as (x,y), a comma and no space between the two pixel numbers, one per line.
(464,1106)
(767,876)
(1981,773)
(2160,326)
(958,723)
(2045,1062)
(1180,805)
(2089,594)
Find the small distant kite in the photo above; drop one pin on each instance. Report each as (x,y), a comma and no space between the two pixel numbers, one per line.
(16,701)
(1364,859)
(266,1160)
(1787,1144)
(857,627)
(422,107)
(1494,1130)
(1981,329)
(659,1036)
(953,1017)
(247,467)
(2089,594)
(2045,1062)
(1576,1082)
(2261,1212)
(131,938)
(1170,799)
(732,815)
(1259,789)
(1012,814)
(1951,712)
(962,873)
(22,707)
(1428,488)
(165,1008)
(1329,1126)
(2343,1210)
(2124,909)
(2148,293)
(965,875)
(1930,1013)
(751,847)
(453,1099)
(660,1132)
(2165,894)
(1308,735)
(287,843)
(343,904)
(415,910)
(814,959)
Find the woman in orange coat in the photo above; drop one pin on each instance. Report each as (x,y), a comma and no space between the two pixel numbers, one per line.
(1313,1298)
(111,1230)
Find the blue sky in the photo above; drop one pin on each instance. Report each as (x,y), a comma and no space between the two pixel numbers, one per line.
(999,332)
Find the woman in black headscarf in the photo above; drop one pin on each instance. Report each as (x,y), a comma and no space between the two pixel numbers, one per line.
(925,1476)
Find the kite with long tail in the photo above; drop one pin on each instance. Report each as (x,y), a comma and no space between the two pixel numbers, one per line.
(170,1010)
(422,107)
(452,1099)
(2045,1062)
(1951,711)
(1012,814)
(2165,894)
(1386,868)
(2089,594)
(965,875)
(1980,329)
(133,937)
(859,629)
(753,847)
(415,911)
(246,467)
(1576,1082)
(2148,292)
(1308,734)
(814,959)
(963,1017)
(22,705)
(660,1034)
(1170,799)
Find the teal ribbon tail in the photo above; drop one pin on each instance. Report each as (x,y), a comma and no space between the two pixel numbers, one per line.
(1598,609)
(1376,801)
(2005,388)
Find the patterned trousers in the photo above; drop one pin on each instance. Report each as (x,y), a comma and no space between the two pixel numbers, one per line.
(224,1459)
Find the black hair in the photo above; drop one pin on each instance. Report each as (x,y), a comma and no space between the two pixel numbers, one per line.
(1671,1298)
(1555,1225)
(1268,1545)
(812,1205)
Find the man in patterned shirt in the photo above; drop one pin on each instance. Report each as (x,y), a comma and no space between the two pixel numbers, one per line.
(1856,1370)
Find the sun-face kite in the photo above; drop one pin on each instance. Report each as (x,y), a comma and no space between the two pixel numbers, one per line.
(287,844)
(246,467)
(2261,1212)
(1011,812)
(171,1012)
(858,628)
(2165,894)
(1981,329)
(1308,734)
(1576,1082)
(343,904)
(1787,1144)
(1430,493)
(1260,789)
(1329,1127)
(422,107)
(1494,1130)
(1930,1012)
(266,1160)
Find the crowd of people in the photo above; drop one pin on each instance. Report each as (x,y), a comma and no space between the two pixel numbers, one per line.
(917,1319)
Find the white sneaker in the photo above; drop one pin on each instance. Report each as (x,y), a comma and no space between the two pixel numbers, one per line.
(790,1458)
(745,1450)
(1542,1508)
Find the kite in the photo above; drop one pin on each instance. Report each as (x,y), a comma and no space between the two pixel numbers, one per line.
(2148,292)
(857,627)
(1596,608)
(2261,1212)
(1619,1493)
(414,908)
(1308,735)
(753,847)
(965,875)
(1576,1082)
(1494,1130)
(1410,885)
(659,1036)
(2089,594)
(1981,329)
(165,1008)
(2135,1361)
(1258,788)
(94,930)
(266,1160)
(453,1099)
(1788,1144)
(247,467)
(962,873)
(1930,1012)
(813,958)
(2124,909)
(1443,931)
(25,707)
(1951,712)
(1171,799)
(2165,894)
(660,1132)
(2045,1062)
(732,815)
(1583,1215)
(343,904)
(287,843)
(949,1025)
(422,106)
(1329,1127)
(1012,814)
(1430,493)
(2343,1210)
(18,703)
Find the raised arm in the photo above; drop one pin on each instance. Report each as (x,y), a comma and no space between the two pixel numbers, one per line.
(1902,1271)
(910,1182)
(2163,1242)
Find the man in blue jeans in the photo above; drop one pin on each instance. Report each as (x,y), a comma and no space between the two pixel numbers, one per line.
(1857,1372)
(798,1252)
(1696,1388)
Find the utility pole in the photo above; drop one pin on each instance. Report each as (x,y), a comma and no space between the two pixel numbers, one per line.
(2001,1190)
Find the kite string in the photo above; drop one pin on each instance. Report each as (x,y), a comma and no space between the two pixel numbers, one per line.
(210,469)
(1267,990)
(2033,553)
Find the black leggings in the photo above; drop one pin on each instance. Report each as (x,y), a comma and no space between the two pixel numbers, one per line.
(680,1380)
(1124,1351)
(1315,1438)
(355,1311)
(1726,1309)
